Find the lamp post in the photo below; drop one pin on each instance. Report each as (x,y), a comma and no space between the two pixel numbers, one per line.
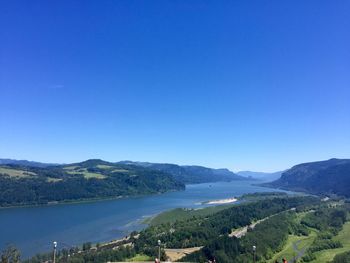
(54,251)
(254,254)
(159,243)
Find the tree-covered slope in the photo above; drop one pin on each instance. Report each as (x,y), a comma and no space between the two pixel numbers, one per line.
(92,179)
(191,174)
(209,231)
(324,177)
(201,230)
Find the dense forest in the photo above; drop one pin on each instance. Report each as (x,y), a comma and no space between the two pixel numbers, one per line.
(198,231)
(269,236)
(342,258)
(324,177)
(92,179)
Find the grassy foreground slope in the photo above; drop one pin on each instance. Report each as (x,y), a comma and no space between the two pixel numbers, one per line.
(92,179)
(294,244)
(328,236)
(328,255)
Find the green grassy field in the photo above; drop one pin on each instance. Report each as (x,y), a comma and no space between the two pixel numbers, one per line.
(16,172)
(120,171)
(72,167)
(288,251)
(53,180)
(86,174)
(89,175)
(181,214)
(139,257)
(103,166)
(328,255)
(324,256)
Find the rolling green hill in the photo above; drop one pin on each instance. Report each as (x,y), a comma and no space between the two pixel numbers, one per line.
(92,179)
(324,177)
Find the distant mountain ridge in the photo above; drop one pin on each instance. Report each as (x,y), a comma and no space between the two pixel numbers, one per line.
(25,163)
(191,174)
(323,177)
(92,179)
(261,175)
(30,183)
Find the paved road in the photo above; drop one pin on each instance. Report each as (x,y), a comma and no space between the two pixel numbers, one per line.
(299,252)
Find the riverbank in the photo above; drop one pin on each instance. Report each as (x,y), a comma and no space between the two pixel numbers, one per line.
(222,201)
(173,215)
(85,201)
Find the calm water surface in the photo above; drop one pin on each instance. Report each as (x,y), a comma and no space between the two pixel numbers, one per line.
(33,229)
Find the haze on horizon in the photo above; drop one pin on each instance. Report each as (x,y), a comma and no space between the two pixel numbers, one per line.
(245,85)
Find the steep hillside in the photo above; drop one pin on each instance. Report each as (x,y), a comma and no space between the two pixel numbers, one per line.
(92,179)
(191,174)
(324,177)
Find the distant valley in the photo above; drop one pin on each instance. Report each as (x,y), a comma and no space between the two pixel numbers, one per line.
(261,175)
(31,183)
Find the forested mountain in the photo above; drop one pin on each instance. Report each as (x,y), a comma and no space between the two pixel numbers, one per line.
(324,177)
(30,185)
(191,173)
(184,173)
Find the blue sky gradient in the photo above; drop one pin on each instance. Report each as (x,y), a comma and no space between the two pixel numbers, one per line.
(257,85)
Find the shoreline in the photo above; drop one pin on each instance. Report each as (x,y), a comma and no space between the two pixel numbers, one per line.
(222,201)
(83,201)
(100,199)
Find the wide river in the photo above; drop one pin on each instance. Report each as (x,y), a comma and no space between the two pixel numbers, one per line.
(33,229)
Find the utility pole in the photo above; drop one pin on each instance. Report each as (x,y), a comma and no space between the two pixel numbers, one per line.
(254,254)
(159,243)
(54,251)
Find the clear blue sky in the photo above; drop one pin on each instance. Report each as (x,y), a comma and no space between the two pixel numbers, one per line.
(258,85)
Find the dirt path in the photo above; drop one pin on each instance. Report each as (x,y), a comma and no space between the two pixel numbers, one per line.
(177,253)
